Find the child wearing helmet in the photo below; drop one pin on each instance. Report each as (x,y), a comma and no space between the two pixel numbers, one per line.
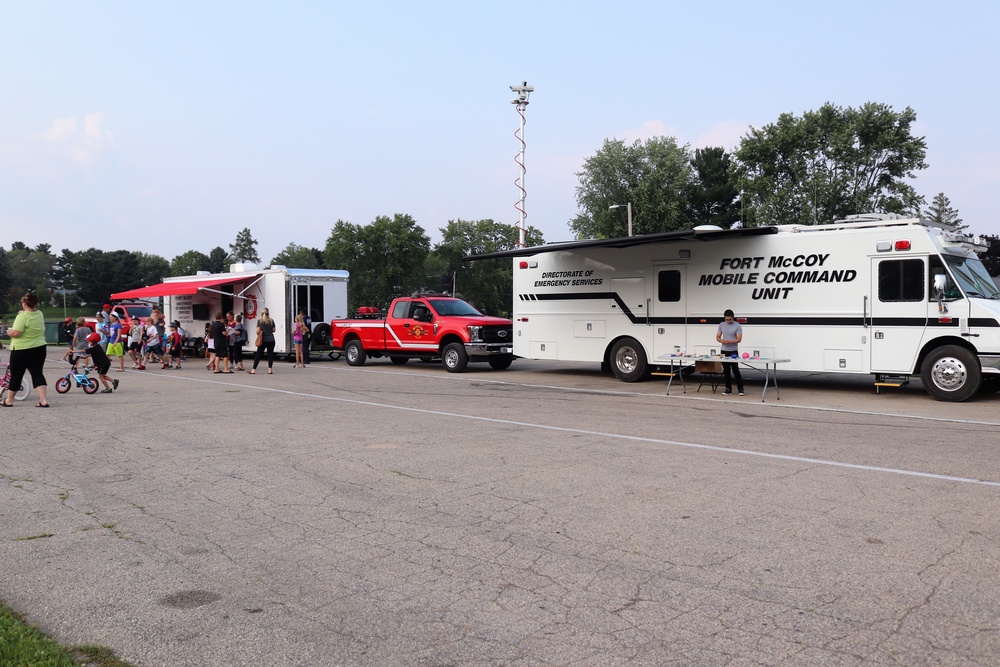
(101,361)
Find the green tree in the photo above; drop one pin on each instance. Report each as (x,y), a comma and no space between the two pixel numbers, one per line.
(190,263)
(62,277)
(713,196)
(6,282)
(829,164)
(941,212)
(244,249)
(218,260)
(485,283)
(653,175)
(100,274)
(991,258)
(385,258)
(152,268)
(31,268)
(298,257)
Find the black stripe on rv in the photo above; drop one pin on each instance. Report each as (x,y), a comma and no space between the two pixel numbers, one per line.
(852,321)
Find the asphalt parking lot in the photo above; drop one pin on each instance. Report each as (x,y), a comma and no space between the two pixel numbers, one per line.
(544,515)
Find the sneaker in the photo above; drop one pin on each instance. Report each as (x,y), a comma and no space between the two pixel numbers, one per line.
(164,367)
(114,384)
(728,392)
(106,391)
(742,393)
(142,368)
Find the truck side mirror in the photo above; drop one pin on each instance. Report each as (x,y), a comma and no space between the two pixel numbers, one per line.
(940,282)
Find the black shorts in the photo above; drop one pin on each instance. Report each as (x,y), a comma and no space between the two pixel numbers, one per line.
(104,368)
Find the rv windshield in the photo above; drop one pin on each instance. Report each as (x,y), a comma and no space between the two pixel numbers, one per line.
(972,277)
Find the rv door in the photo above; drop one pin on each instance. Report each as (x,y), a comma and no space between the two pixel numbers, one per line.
(669,309)
(899,308)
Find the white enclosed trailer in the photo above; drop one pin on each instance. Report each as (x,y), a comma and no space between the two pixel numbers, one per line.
(245,289)
(873,294)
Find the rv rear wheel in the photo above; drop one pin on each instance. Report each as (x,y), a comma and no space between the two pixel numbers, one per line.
(628,360)
(951,373)
(355,353)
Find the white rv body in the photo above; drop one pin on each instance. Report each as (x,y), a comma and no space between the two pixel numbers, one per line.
(857,296)
(247,290)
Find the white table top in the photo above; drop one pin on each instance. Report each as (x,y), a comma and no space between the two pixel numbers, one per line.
(690,359)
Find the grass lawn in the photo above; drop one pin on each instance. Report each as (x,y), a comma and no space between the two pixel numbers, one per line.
(24,646)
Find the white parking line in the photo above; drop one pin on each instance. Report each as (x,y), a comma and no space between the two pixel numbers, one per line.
(615,436)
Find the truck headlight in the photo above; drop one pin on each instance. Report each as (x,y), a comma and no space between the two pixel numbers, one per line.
(475,334)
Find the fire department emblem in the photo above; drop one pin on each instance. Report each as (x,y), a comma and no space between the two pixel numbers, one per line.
(418,331)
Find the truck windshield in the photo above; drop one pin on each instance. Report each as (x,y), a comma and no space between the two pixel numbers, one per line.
(453,307)
(972,277)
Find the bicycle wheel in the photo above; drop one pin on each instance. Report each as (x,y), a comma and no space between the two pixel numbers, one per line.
(63,385)
(25,390)
(91,386)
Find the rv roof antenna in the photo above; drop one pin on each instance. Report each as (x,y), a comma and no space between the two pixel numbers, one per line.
(521,101)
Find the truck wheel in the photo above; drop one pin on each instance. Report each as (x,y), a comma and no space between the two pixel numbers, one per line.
(628,360)
(321,336)
(355,353)
(501,363)
(951,373)
(399,361)
(455,358)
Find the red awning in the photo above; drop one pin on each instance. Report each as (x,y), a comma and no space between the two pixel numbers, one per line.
(176,287)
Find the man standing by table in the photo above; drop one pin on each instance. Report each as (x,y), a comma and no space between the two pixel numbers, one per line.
(729,335)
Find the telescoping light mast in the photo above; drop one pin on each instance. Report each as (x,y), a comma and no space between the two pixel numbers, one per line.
(521,102)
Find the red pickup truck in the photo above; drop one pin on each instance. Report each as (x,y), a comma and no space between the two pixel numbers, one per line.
(426,327)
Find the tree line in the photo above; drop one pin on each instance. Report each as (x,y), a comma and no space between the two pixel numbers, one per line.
(388,257)
(811,169)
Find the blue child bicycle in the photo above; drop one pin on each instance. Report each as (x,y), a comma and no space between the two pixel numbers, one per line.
(65,383)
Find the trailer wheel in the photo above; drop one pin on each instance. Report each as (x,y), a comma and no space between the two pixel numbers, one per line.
(501,363)
(321,336)
(628,360)
(355,353)
(951,373)
(398,360)
(455,358)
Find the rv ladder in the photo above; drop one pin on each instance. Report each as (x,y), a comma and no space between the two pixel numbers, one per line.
(884,380)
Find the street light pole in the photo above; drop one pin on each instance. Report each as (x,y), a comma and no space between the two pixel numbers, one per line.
(629,208)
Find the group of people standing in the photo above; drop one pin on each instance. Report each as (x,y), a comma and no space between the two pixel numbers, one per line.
(144,342)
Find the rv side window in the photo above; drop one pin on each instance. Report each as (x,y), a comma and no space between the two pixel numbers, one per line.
(901,280)
(668,286)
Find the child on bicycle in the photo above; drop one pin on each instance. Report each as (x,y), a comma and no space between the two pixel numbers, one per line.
(101,361)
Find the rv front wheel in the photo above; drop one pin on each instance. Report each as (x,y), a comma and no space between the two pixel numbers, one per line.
(628,360)
(951,373)
(355,353)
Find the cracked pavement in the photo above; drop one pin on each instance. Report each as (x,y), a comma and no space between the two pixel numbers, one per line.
(544,515)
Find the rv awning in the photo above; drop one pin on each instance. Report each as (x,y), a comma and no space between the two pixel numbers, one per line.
(701,235)
(177,287)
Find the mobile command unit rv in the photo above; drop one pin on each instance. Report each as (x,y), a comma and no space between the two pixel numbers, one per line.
(193,301)
(875,294)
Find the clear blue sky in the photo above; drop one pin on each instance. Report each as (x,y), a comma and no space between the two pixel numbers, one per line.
(165,127)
